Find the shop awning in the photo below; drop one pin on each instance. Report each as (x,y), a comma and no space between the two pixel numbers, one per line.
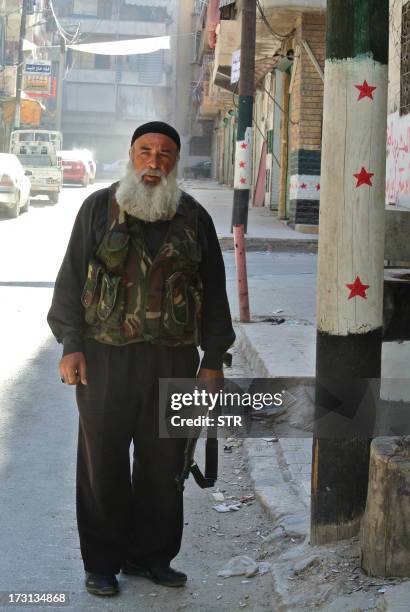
(135,46)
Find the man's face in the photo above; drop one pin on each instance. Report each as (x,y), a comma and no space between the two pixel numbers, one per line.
(153,155)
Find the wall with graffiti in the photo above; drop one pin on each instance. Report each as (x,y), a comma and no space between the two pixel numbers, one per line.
(398,160)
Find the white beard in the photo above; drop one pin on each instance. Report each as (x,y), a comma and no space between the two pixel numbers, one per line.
(148,202)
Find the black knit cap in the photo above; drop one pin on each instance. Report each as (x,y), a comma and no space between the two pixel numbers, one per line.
(157,127)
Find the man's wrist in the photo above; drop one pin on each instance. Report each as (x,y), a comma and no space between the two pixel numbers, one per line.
(73,343)
(212,360)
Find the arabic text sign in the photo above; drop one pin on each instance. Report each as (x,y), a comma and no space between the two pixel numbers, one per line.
(37,83)
(38,67)
(236,66)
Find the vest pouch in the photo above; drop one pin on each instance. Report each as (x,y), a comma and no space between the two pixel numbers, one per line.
(115,251)
(176,306)
(108,298)
(88,297)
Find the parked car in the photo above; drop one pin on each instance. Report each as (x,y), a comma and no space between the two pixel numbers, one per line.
(14,185)
(202,169)
(75,168)
(116,168)
(89,160)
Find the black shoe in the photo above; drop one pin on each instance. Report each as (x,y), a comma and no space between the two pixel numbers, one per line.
(97,584)
(165,575)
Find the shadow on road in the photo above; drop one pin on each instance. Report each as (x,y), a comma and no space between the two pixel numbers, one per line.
(35,284)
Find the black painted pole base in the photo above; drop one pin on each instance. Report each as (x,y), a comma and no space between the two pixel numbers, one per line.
(347,390)
(339,488)
(240,208)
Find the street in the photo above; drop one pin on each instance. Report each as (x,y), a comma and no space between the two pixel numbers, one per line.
(38,427)
(289,122)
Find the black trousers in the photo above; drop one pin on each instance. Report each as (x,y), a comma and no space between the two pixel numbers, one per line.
(120,515)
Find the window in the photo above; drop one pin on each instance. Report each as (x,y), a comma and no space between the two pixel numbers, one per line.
(104,10)
(64,8)
(228,9)
(151,67)
(102,62)
(405,61)
(270,141)
(83,61)
(87,8)
(267,181)
(131,12)
(196,41)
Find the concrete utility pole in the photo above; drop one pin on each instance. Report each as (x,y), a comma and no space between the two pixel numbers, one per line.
(350,261)
(243,152)
(61,72)
(20,65)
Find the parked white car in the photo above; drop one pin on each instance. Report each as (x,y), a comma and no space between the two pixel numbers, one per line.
(14,185)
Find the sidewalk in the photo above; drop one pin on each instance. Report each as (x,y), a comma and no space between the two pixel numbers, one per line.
(264,229)
(328,577)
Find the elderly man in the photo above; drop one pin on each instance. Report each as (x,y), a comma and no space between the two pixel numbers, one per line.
(142,284)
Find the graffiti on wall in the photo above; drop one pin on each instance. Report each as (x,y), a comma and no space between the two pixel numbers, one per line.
(398,160)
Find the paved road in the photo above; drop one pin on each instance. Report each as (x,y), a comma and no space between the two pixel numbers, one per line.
(38,426)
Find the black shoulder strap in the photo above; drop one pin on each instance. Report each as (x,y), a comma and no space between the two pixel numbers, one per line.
(211,465)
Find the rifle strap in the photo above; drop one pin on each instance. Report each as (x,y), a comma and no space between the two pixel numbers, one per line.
(211,465)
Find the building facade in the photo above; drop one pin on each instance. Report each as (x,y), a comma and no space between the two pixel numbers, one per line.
(398,121)
(288,106)
(34,43)
(105,96)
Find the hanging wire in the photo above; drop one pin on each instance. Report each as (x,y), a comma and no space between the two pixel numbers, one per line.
(276,35)
(69,38)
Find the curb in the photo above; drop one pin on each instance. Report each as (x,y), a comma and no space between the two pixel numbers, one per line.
(255,361)
(295,245)
(274,487)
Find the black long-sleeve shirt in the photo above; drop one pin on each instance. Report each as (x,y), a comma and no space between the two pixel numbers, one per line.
(66,315)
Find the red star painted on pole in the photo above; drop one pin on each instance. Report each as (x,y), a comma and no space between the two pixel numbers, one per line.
(244,145)
(303,186)
(357,289)
(364,178)
(242,164)
(318,187)
(366,91)
(243,181)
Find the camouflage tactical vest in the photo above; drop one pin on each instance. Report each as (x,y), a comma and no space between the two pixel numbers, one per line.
(130,296)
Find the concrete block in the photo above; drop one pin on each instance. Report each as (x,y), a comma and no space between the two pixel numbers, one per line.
(297,457)
(358,602)
(397,598)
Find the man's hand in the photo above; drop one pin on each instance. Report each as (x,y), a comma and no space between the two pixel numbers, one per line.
(215,379)
(73,369)
(204,374)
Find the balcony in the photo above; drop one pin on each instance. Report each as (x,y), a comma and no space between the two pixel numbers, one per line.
(228,40)
(209,106)
(221,97)
(8,81)
(132,29)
